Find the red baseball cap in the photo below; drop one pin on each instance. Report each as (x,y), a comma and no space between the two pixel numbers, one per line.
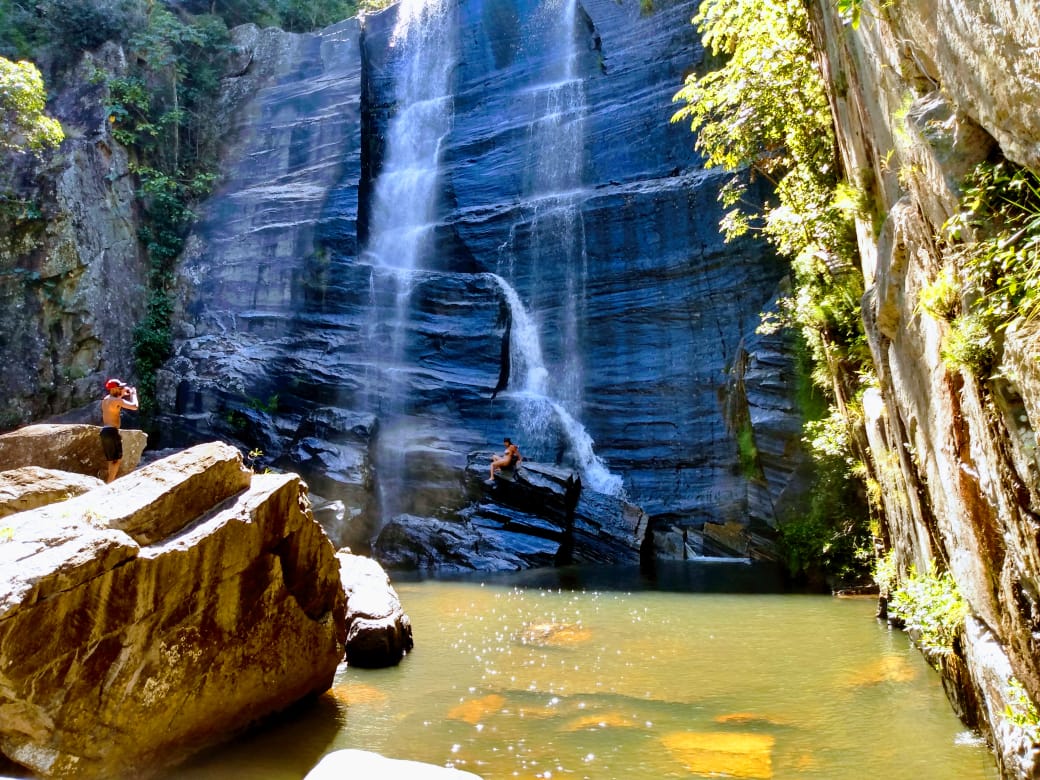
(113,383)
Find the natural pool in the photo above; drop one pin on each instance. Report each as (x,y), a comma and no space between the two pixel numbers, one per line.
(554,674)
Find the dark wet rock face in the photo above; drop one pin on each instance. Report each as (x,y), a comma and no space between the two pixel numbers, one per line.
(536,515)
(477,226)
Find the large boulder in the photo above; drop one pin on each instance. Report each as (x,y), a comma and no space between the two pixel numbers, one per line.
(379,632)
(75,448)
(160,614)
(30,487)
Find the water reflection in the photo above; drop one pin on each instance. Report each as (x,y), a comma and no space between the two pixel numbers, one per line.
(529,679)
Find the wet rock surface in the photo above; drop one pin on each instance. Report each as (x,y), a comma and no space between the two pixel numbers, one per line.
(301,342)
(535,515)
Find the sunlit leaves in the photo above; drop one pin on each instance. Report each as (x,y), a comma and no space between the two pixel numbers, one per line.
(23,124)
(931,607)
(850,12)
(766,110)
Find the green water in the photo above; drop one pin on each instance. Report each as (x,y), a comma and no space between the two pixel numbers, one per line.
(528,682)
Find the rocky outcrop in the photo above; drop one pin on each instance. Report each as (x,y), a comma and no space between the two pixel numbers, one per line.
(72,448)
(536,515)
(146,619)
(30,487)
(921,92)
(362,763)
(299,337)
(379,632)
(72,273)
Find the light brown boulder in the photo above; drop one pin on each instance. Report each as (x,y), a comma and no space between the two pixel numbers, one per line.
(379,632)
(121,657)
(30,487)
(75,448)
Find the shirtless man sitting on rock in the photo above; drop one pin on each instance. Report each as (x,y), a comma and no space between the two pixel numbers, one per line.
(510,458)
(120,396)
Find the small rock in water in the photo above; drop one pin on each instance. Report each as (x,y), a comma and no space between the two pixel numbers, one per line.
(361,763)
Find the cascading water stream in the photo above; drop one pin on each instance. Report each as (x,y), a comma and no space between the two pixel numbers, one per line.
(405,196)
(553,187)
(404,212)
(537,409)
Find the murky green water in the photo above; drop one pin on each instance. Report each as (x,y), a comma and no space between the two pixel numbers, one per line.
(530,682)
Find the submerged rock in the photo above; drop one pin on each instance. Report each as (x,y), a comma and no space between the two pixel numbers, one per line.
(379,632)
(729,754)
(75,448)
(146,619)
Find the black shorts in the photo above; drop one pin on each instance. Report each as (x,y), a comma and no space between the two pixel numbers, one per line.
(111,443)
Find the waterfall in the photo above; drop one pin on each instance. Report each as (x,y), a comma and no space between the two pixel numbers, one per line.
(553,188)
(538,411)
(403,219)
(405,197)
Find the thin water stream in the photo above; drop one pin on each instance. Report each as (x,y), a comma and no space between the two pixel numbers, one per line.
(611,680)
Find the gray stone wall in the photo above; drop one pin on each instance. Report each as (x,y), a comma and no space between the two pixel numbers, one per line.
(922,91)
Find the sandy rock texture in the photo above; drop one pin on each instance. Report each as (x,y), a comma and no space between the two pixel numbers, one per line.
(146,619)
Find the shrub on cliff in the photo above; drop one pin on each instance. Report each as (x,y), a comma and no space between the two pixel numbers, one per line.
(23,123)
(931,608)
(997,251)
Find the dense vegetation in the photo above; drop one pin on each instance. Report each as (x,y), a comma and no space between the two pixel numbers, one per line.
(995,244)
(23,123)
(760,110)
(160,108)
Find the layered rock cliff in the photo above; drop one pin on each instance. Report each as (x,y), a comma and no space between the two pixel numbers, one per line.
(552,271)
(72,273)
(921,92)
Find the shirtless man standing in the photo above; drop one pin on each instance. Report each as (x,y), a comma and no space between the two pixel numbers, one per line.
(120,396)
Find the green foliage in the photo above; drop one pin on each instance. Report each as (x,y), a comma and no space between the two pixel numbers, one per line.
(850,11)
(371,6)
(23,124)
(885,573)
(57,32)
(766,109)
(1021,710)
(831,537)
(292,15)
(166,200)
(270,407)
(931,607)
(160,111)
(1001,205)
(747,452)
(941,298)
(970,344)
(763,113)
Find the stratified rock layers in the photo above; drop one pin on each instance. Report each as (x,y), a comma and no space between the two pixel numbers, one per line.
(922,91)
(120,657)
(298,339)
